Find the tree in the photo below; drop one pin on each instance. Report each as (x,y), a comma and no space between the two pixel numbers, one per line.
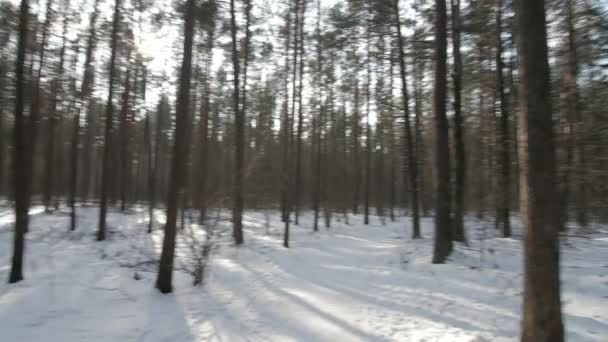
(180,153)
(459,182)
(299,131)
(542,320)
(50,184)
(239,136)
(411,157)
(443,236)
(106,168)
(20,150)
(504,146)
(83,95)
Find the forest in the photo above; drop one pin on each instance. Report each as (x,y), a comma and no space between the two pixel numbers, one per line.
(304,170)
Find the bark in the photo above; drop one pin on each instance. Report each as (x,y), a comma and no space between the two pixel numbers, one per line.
(106,167)
(443,238)
(368,127)
(410,159)
(124,139)
(180,154)
(317,125)
(20,149)
(504,146)
(285,123)
(459,182)
(239,137)
(50,184)
(299,131)
(542,320)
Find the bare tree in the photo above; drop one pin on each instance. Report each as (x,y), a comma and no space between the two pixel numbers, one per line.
(20,150)
(106,168)
(443,238)
(180,154)
(542,320)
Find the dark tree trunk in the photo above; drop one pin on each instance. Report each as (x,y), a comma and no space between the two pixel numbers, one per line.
(542,320)
(124,140)
(318,125)
(459,183)
(285,121)
(20,150)
(50,184)
(443,238)
(239,137)
(180,154)
(298,180)
(205,109)
(356,147)
(106,167)
(410,160)
(504,145)
(368,127)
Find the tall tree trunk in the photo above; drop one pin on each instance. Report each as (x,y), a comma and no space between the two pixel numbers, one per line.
(124,139)
(20,150)
(542,320)
(457,222)
(35,106)
(239,137)
(106,167)
(505,142)
(318,124)
(285,123)
(50,184)
(180,153)
(443,238)
(368,127)
(83,96)
(411,157)
(298,180)
(574,171)
(205,109)
(356,147)
(290,123)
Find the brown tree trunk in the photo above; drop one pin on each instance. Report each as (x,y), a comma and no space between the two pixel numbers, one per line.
(180,154)
(106,167)
(459,183)
(239,137)
(50,184)
(542,320)
(20,149)
(504,146)
(443,238)
(409,144)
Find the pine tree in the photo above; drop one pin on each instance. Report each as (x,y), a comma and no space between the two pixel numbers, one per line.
(180,153)
(542,320)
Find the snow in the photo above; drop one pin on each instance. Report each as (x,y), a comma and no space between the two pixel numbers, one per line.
(347,283)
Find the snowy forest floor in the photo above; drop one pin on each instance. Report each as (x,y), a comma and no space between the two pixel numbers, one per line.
(347,283)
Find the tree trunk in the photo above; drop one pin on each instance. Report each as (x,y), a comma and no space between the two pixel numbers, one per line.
(459,184)
(180,154)
(20,149)
(299,130)
(50,184)
(505,142)
(443,238)
(106,167)
(124,139)
(239,137)
(411,157)
(542,320)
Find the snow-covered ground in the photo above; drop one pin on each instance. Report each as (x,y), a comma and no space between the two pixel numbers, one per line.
(349,283)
